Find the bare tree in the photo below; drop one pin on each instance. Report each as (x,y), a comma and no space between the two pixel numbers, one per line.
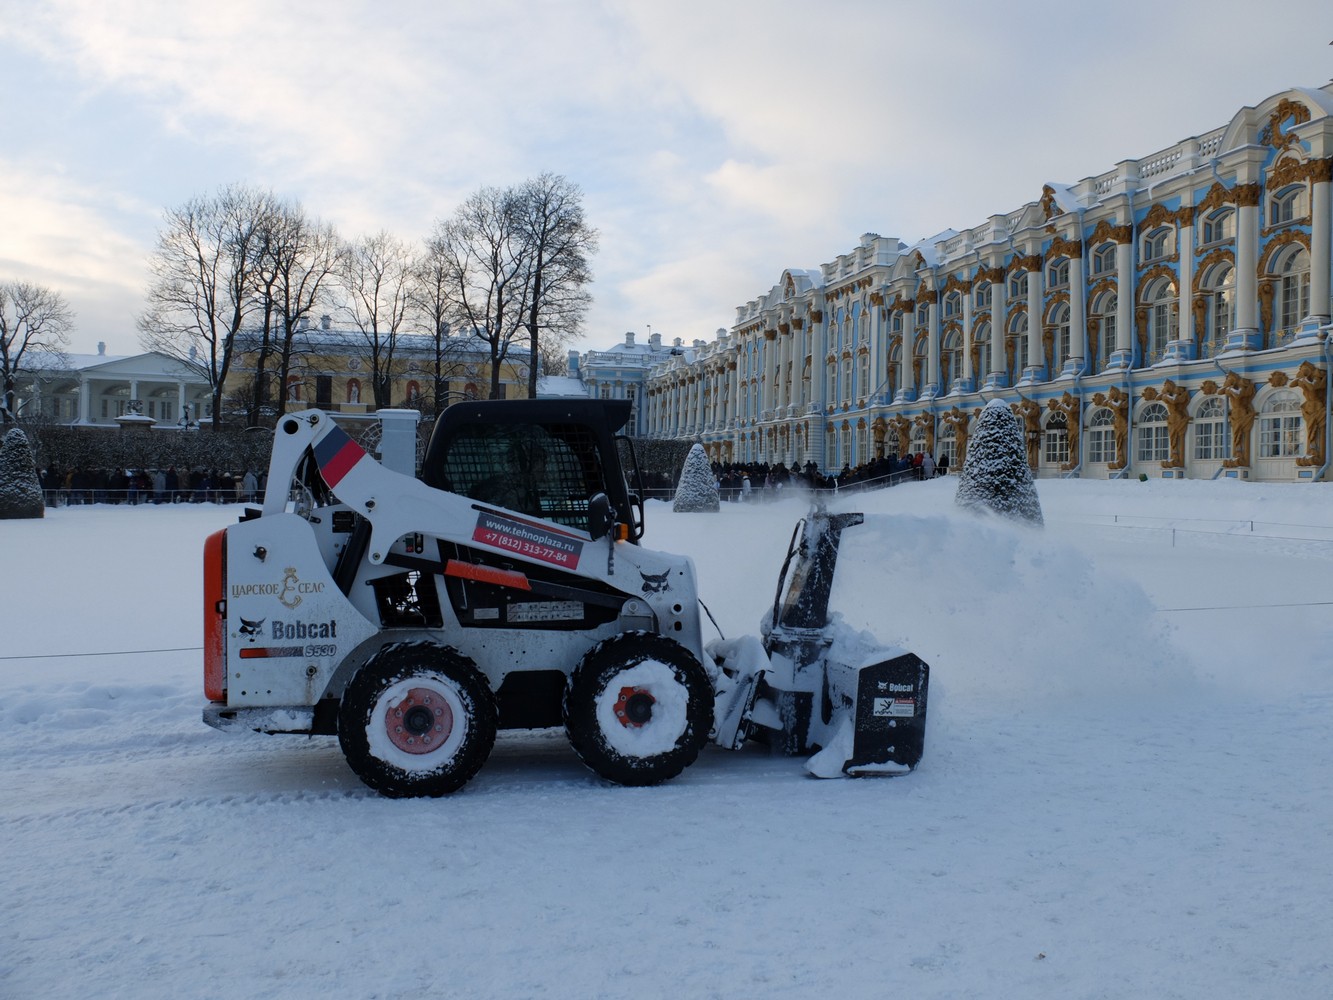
(374,279)
(302,257)
(482,254)
(433,306)
(204,269)
(558,244)
(35,324)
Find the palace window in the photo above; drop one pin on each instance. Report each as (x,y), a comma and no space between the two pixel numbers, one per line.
(981,296)
(1280,426)
(1056,441)
(951,359)
(1057,274)
(1016,346)
(1286,206)
(1018,285)
(1293,290)
(1103,259)
(1101,437)
(981,351)
(1218,294)
(1162,321)
(1060,322)
(1212,431)
(1218,227)
(1154,445)
(953,305)
(1104,311)
(1159,244)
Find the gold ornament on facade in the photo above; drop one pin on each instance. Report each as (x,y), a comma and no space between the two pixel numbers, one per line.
(926,421)
(1239,392)
(956,283)
(1158,215)
(1176,399)
(1200,305)
(1321,171)
(1094,328)
(1286,109)
(1116,400)
(1028,413)
(816,316)
(1312,381)
(1071,408)
(1217,196)
(1049,207)
(1048,348)
(1275,245)
(1105,231)
(1061,247)
(1267,290)
(1248,195)
(926,296)
(902,429)
(958,420)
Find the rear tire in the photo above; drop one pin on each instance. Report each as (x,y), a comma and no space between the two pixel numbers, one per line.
(417,720)
(638,708)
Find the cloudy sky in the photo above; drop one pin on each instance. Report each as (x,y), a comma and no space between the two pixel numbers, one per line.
(717,142)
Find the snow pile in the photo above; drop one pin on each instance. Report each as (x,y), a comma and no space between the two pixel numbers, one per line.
(697,489)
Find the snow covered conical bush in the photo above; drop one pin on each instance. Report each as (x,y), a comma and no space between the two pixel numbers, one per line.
(996,475)
(697,489)
(20,489)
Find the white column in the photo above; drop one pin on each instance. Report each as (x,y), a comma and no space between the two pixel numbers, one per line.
(932,377)
(1124,302)
(1321,235)
(998,321)
(968,374)
(1078,309)
(1247,259)
(1185,305)
(1036,352)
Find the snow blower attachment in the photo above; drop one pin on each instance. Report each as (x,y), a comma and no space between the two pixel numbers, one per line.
(812,684)
(506,589)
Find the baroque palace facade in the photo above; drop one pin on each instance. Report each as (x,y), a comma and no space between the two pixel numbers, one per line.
(1168,318)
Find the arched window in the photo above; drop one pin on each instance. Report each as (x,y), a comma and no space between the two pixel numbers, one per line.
(1159,243)
(981,351)
(920,358)
(953,305)
(1101,437)
(847,379)
(470,391)
(918,442)
(413,391)
(1016,347)
(1293,291)
(951,359)
(863,373)
(1060,324)
(894,375)
(1057,273)
(1212,431)
(353,390)
(1104,309)
(1286,205)
(1280,433)
(981,295)
(1056,440)
(1154,445)
(1018,286)
(1218,227)
(1103,259)
(1219,290)
(923,315)
(1162,320)
(947,444)
(293,389)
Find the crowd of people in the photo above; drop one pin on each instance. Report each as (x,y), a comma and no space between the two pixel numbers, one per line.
(745,481)
(139,486)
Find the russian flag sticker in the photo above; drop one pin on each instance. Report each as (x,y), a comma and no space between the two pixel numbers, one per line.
(336,455)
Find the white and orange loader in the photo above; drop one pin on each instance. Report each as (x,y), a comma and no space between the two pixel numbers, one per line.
(505,589)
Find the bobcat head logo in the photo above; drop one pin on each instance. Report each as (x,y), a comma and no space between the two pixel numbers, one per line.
(655,583)
(252,628)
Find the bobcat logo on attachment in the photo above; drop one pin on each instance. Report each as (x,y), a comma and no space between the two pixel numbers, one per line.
(252,628)
(655,583)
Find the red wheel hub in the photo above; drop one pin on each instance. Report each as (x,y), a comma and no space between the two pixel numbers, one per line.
(421,722)
(634,707)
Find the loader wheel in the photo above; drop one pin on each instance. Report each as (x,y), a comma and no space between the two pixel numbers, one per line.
(417,719)
(638,708)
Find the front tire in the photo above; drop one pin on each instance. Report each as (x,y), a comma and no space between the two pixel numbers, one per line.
(417,720)
(638,708)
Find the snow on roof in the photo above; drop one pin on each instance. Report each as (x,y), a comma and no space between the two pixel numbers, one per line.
(554,386)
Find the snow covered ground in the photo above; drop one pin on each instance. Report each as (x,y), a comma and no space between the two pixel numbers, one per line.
(1125,790)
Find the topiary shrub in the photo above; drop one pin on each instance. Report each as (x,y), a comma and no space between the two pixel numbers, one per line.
(697,489)
(996,476)
(20,489)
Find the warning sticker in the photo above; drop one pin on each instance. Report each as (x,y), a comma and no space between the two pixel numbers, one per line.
(895,707)
(546,611)
(529,540)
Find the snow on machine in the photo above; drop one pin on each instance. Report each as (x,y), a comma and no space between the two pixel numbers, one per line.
(505,589)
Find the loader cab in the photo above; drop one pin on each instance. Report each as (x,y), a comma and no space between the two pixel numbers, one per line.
(543,457)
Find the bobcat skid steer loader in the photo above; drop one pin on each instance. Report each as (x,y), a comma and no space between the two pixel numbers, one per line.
(505,589)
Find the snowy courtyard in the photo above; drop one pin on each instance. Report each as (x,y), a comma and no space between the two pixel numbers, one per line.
(1125,789)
